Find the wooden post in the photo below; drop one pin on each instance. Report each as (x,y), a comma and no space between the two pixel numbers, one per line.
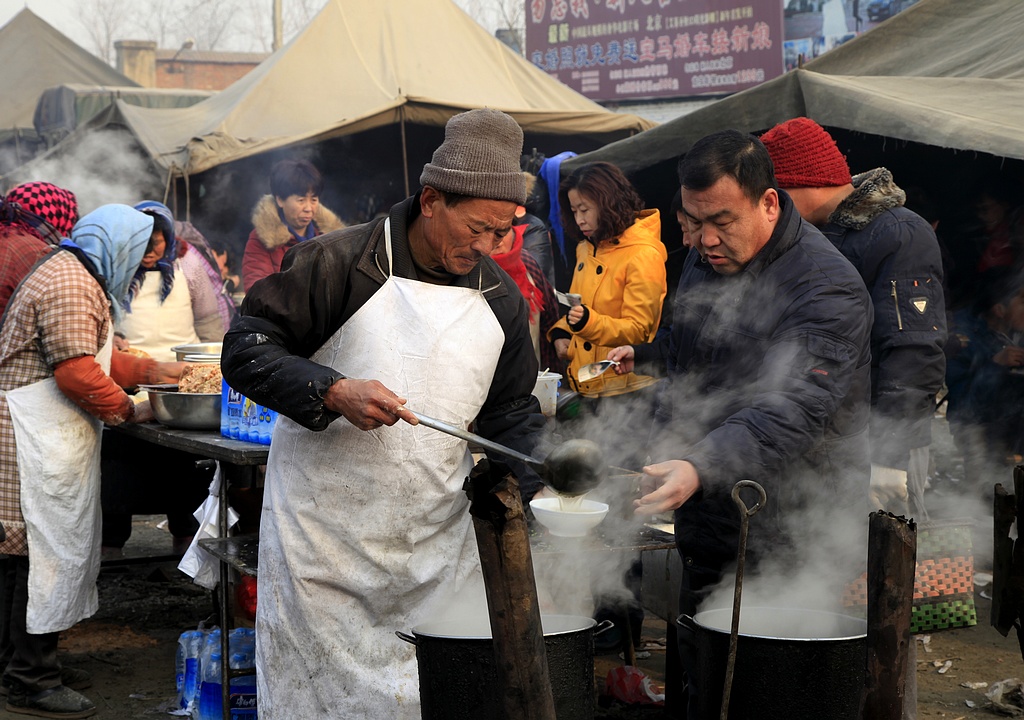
(892,564)
(520,658)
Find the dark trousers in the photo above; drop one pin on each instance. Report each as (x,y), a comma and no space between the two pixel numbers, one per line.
(30,659)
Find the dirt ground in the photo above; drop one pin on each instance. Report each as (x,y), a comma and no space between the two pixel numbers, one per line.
(129,645)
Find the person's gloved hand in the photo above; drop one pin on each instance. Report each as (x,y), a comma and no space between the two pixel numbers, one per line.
(889,489)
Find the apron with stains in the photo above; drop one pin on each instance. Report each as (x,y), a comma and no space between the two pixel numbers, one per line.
(365,533)
(58,451)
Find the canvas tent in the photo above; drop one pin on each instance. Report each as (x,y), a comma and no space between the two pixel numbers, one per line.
(35,56)
(63,108)
(943,73)
(362,65)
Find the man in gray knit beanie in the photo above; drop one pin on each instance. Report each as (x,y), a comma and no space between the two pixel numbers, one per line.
(479,158)
(360,321)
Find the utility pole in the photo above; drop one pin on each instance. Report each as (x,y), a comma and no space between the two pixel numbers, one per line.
(277,26)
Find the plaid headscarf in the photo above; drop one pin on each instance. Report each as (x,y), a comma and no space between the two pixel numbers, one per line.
(31,204)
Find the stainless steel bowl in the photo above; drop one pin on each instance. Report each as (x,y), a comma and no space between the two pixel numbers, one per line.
(187,411)
(206,358)
(197,349)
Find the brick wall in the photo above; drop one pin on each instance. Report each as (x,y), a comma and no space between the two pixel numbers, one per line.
(199,75)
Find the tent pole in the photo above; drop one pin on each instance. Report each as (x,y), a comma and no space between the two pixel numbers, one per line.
(188,200)
(167,185)
(405,153)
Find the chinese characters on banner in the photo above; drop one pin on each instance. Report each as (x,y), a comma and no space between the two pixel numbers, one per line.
(632,49)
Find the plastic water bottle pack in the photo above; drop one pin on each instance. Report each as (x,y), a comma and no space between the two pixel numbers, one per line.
(199,664)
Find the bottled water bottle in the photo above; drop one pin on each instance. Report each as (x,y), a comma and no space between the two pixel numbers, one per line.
(189,645)
(209,690)
(209,644)
(179,666)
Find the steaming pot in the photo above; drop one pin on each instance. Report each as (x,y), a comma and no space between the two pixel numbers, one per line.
(790,663)
(457,676)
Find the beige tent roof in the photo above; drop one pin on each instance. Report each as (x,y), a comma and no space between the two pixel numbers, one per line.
(362,64)
(35,56)
(948,73)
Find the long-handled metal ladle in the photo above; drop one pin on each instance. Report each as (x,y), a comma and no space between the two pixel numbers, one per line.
(572,468)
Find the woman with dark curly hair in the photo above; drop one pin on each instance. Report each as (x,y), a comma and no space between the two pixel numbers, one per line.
(619,275)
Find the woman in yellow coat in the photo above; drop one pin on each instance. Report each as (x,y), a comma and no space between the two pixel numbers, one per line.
(619,275)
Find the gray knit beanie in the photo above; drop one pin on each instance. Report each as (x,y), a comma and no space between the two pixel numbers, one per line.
(479,158)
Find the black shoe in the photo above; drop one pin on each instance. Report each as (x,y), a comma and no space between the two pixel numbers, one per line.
(69,677)
(55,702)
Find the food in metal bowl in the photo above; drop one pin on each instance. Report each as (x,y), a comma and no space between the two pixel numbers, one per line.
(187,411)
(200,378)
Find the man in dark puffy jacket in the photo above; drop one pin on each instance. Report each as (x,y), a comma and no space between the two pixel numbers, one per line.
(898,256)
(769,365)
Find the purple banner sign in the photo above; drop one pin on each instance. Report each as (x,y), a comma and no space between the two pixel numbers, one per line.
(635,49)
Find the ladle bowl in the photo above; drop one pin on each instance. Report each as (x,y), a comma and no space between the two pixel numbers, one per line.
(574,467)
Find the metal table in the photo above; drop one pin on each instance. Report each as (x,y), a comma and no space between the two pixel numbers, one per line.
(209,444)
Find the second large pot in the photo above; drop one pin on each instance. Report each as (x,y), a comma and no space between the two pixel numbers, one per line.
(456,668)
(791,664)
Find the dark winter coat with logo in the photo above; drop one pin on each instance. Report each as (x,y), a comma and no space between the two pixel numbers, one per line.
(897,254)
(769,374)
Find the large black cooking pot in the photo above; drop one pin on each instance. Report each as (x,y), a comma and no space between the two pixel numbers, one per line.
(791,664)
(456,666)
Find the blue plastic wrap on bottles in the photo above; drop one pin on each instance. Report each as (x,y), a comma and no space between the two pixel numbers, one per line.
(190,645)
(243,419)
(209,690)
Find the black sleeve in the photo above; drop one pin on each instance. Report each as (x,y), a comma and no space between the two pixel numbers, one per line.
(284,319)
(908,339)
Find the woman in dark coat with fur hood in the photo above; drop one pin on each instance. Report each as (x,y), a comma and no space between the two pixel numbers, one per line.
(290,214)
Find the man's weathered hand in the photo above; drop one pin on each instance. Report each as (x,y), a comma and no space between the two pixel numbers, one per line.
(624,356)
(367,404)
(666,486)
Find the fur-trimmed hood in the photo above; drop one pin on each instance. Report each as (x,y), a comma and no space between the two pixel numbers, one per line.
(273,233)
(874,193)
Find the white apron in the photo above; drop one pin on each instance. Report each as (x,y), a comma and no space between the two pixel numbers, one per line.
(58,451)
(156,327)
(365,533)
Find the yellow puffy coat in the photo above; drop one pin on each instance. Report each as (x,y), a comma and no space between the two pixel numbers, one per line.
(622,284)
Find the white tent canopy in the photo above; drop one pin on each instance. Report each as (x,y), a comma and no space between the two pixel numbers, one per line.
(360,65)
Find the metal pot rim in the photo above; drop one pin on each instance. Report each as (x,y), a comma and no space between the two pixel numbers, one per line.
(702,619)
(448,629)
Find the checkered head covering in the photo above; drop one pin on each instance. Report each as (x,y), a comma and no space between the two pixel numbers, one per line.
(55,206)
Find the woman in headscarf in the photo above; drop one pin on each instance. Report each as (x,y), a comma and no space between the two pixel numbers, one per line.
(58,385)
(34,218)
(170,301)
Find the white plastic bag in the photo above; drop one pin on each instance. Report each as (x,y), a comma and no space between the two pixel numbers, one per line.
(201,566)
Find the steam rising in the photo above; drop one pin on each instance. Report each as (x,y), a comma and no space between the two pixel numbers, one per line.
(104,167)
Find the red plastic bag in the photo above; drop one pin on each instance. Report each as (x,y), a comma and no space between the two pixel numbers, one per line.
(629,685)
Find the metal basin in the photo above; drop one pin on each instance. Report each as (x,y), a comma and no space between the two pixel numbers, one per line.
(187,411)
(197,349)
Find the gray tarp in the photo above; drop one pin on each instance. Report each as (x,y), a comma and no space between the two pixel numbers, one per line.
(63,108)
(360,65)
(35,56)
(947,73)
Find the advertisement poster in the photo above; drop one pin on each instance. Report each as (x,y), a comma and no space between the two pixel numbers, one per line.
(612,50)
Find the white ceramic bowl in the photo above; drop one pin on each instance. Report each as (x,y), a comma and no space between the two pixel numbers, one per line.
(568,524)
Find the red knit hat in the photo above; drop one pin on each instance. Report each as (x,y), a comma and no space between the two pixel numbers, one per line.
(805,155)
